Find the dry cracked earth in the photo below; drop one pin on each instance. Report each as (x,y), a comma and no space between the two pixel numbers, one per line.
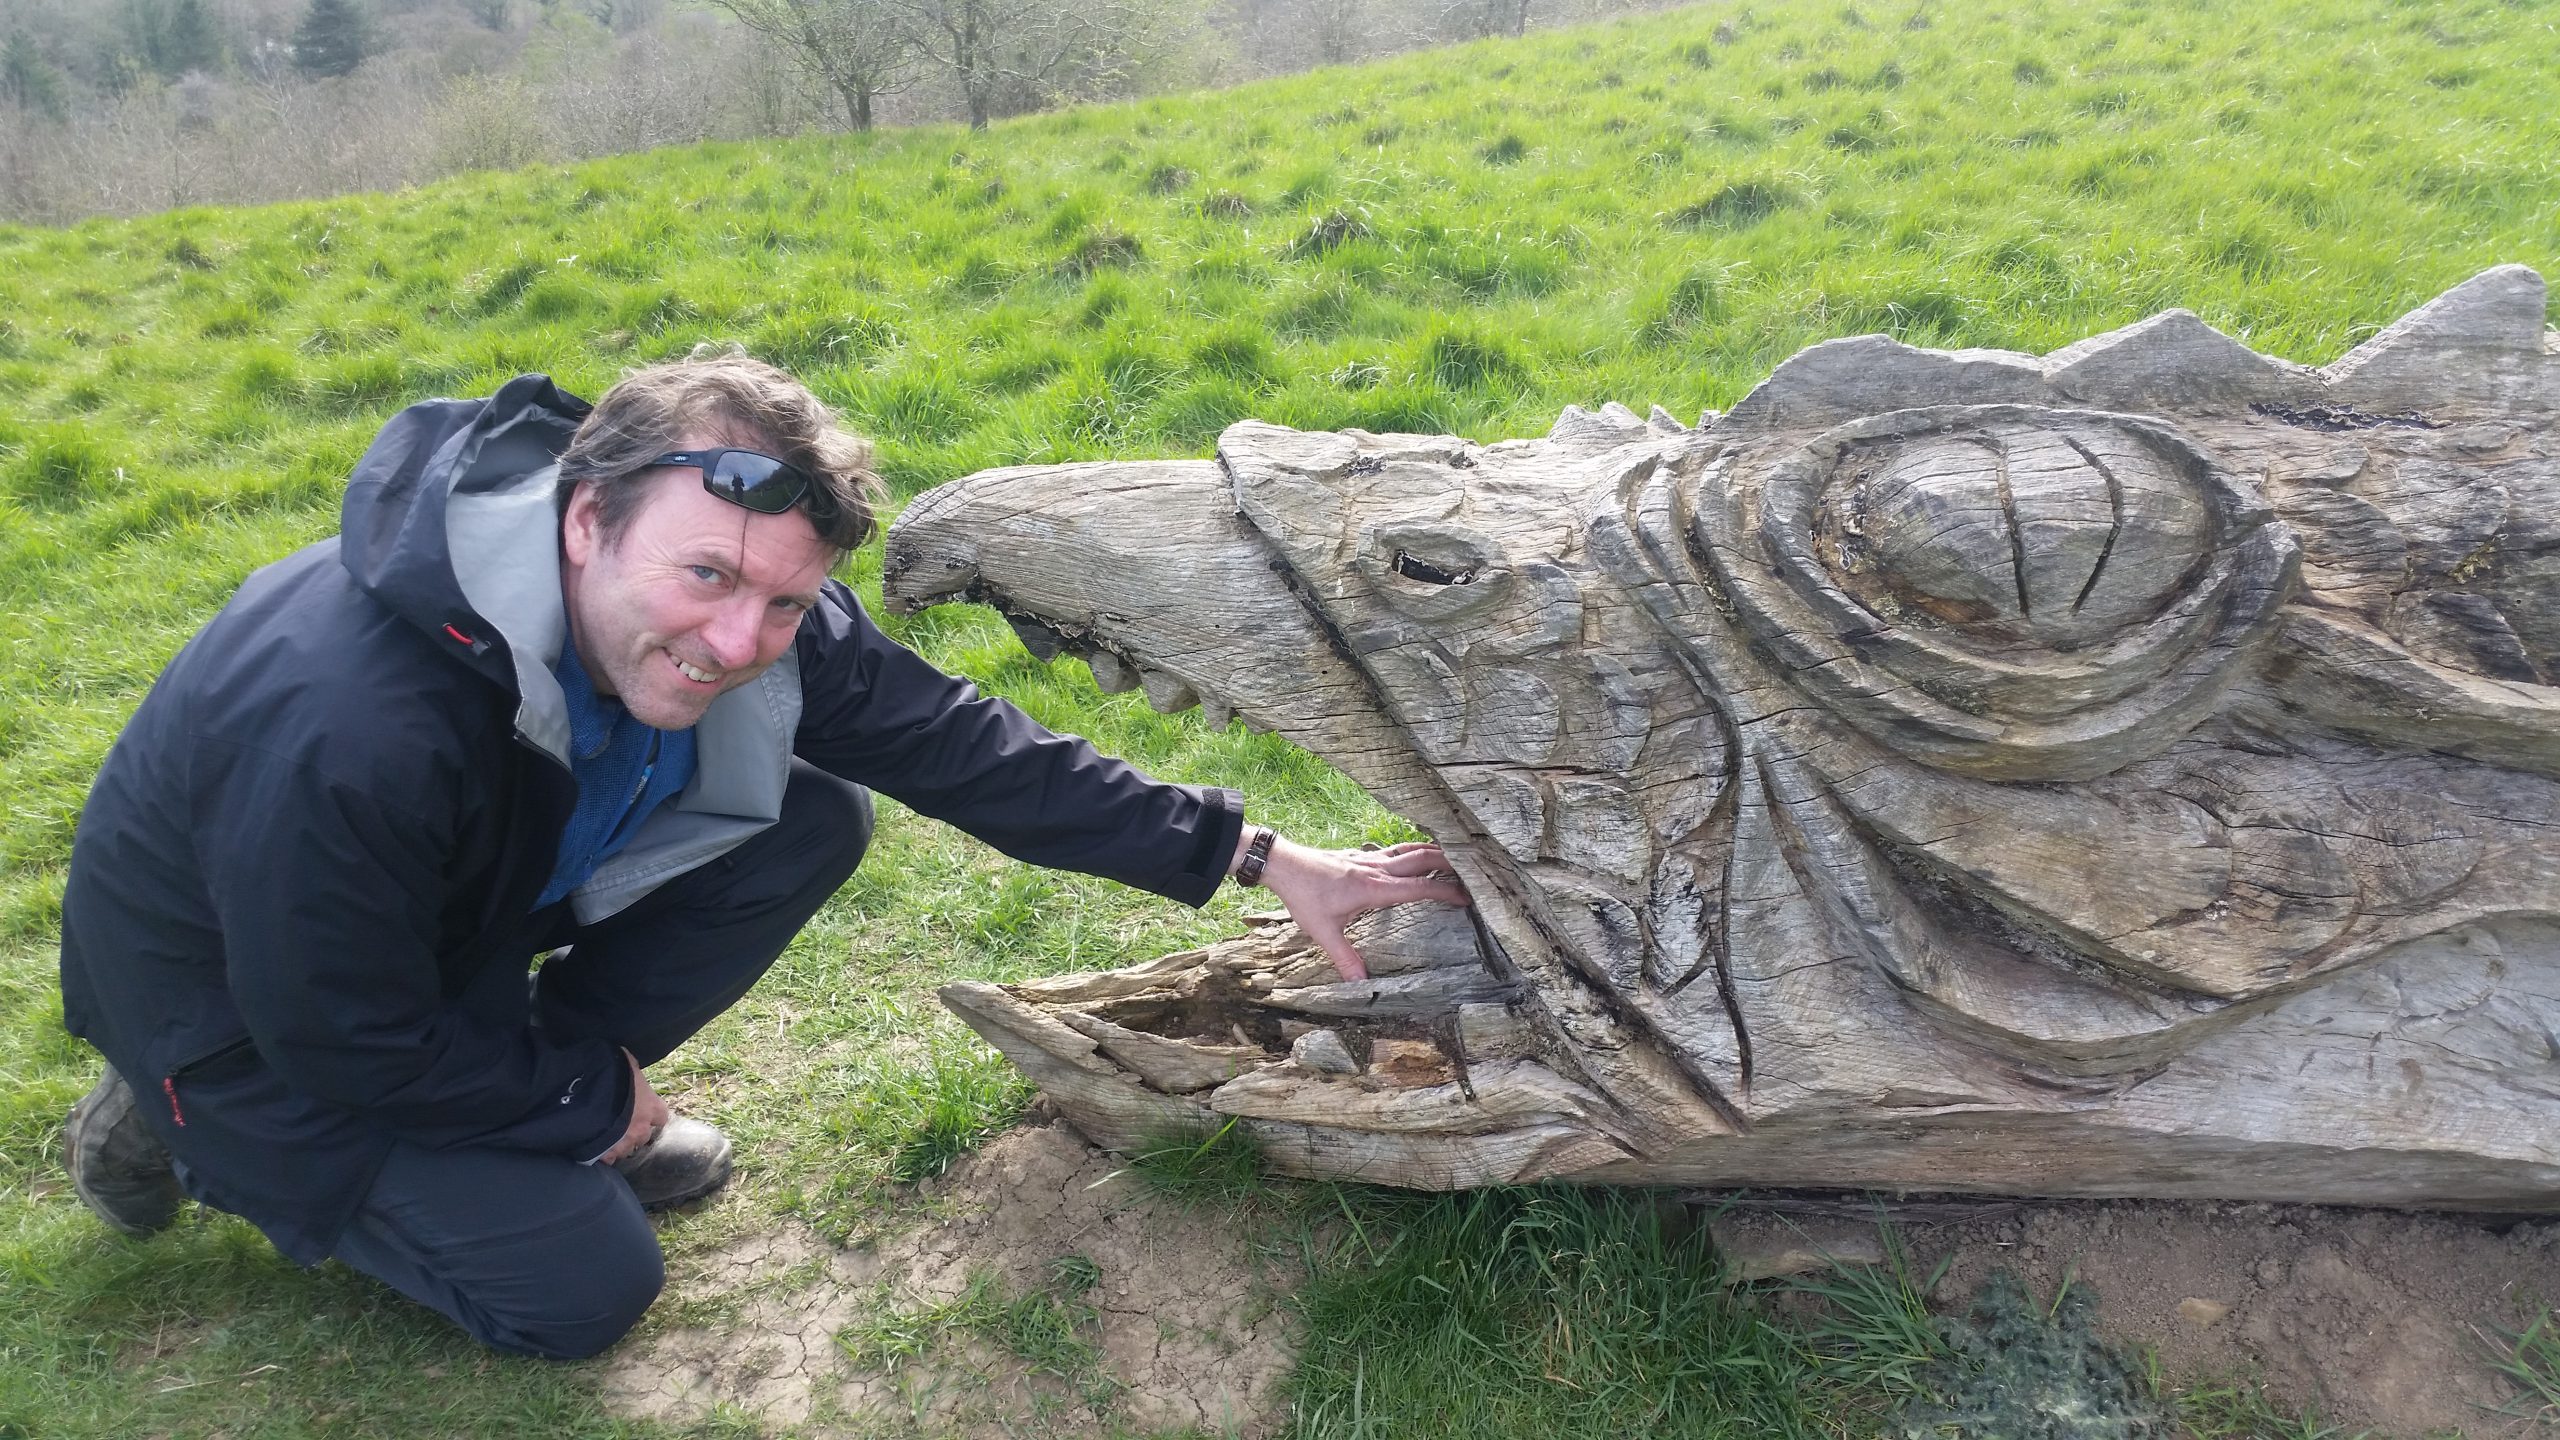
(1186,1315)
(2381,1321)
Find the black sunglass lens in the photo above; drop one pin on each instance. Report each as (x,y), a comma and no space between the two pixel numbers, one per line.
(758,482)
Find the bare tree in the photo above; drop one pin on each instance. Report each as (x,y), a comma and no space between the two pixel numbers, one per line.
(1010,55)
(858,49)
(1483,19)
(1339,35)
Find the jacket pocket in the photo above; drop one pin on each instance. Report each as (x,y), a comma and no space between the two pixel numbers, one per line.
(200,1065)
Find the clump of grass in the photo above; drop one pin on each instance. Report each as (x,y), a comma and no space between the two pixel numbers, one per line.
(1049,1327)
(1329,232)
(1461,359)
(1226,205)
(1539,1312)
(1873,1334)
(804,341)
(1506,151)
(1240,353)
(506,285)
(1168,180)
(923,1117)
(1222,1166)
(2242,1410)
(1736,206)
(1102,248)
(59,466)
(2530,1361)
(1673,313)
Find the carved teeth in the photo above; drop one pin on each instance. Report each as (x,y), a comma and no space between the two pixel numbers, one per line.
(1167,693)
(1216,711)
(1111,672)
(1037,638)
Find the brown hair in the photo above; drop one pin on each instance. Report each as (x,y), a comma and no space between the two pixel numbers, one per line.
(740,399)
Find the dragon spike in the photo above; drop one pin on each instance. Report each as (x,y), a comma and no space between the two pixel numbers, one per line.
(2493,321)
(2175,360)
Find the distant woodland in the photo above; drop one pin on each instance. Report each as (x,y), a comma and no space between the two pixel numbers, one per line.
(122,107)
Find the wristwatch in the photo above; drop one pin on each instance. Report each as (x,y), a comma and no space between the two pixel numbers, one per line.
(1256,855)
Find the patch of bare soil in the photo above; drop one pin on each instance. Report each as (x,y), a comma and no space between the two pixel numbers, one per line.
(1186,1317)
(2381,1320)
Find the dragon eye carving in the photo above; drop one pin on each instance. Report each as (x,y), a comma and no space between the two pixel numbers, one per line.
(1433,569)
(2003,590)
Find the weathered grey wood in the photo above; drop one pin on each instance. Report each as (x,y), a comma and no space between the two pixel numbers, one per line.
(2129,771)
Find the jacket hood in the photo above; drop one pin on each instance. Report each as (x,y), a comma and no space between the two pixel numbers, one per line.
(449,521)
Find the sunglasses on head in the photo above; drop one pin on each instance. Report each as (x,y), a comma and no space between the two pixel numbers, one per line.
(754,481)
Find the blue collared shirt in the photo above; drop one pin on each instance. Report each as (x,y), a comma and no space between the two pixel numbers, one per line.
(625,770)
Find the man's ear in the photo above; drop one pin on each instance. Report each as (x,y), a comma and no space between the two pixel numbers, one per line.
(581,535)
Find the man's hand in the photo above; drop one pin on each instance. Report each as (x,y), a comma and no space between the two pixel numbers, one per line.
(648,1116)
(1326,890)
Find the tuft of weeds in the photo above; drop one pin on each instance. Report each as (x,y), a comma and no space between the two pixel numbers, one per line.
(1049,1328)
(2530,1360)
(1329,232)
(1223,1166)
(1457,358)
(1226,205)
(1736,206)
(1239,353)
(1100,248)
(2016,1369)
(1550,1312)
(2241,1410)
(1873,1332)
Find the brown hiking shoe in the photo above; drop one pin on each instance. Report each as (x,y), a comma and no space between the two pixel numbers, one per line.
(686,1161)
(120,1169)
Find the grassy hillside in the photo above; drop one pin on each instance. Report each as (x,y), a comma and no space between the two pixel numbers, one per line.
(1652,211)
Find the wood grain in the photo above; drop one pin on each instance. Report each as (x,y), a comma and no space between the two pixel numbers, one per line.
(2128,771)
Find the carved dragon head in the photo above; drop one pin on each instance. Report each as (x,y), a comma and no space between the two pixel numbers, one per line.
(2063,749)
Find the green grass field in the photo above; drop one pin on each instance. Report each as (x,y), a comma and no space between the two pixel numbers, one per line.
(1652,211)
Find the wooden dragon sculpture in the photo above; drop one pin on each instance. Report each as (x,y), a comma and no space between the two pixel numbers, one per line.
(2130,771)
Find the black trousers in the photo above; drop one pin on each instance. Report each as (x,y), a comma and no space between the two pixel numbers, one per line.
(538,1254)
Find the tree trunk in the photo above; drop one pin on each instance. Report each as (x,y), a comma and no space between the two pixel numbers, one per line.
(2122,772)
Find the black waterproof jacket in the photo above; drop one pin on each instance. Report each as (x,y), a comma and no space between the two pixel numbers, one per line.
(296,914)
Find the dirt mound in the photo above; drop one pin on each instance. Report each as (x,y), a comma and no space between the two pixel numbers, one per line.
(2382,1320)
(1167,1319)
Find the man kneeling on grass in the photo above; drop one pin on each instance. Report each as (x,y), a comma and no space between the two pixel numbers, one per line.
(569,680)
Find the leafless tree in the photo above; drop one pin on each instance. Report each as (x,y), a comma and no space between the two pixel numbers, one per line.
(1010,55)
(1483,19)
(859,50)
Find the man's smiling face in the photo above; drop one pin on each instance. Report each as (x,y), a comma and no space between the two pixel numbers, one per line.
(695,598)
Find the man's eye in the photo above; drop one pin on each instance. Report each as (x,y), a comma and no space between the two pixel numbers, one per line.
(706,574)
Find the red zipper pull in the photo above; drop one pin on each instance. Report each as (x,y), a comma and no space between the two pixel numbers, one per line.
(169,1087)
